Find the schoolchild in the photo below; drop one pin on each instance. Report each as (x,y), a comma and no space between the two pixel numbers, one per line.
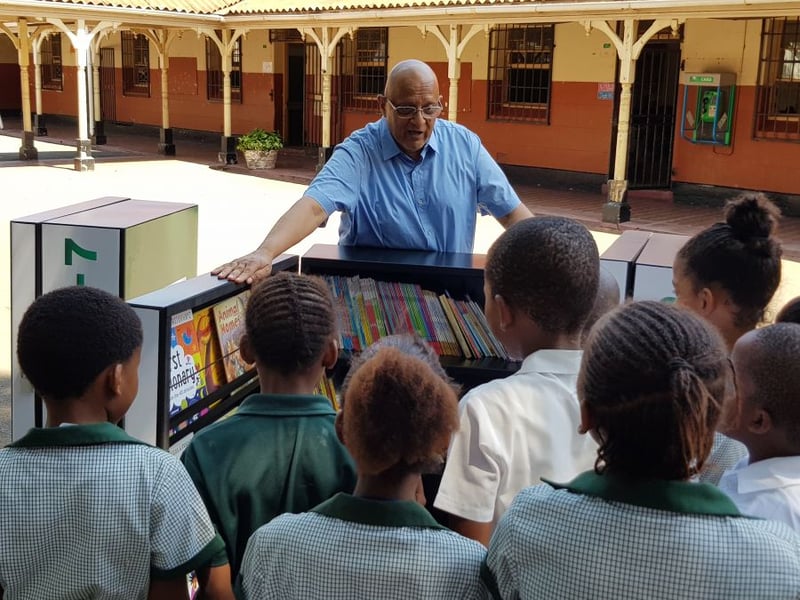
(397,418)
(767,483)
(279,452)
(790,313)
(88,511)
(541,279)
(728,273)
(652,384)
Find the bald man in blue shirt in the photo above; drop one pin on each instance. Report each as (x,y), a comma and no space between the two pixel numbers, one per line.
(404,181)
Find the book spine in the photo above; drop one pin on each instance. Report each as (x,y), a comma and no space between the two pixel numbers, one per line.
(448,311)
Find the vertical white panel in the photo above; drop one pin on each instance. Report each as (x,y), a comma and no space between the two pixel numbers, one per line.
(140,420)
(23,293)
(74,255)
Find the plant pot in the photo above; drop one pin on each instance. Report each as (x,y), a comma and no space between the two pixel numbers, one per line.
(260,159)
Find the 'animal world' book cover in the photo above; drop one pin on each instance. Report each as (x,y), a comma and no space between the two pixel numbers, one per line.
(229,318)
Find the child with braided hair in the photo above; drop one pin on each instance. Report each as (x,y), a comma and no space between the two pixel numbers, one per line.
(652,384)
(727,274)
(398,413)
(279,452)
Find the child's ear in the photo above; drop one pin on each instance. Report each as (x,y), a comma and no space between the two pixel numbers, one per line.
(505,312)
(331,354)
(759,422)
(246,350)
(587,421)
(707,301)
(115,379)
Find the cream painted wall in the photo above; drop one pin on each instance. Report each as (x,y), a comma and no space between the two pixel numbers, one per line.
(256,50)
(189,44)
(407,42)
(8,54)
(729,46)
(578,57)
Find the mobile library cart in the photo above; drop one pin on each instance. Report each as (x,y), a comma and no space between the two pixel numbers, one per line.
(124,246)
(654,267)
(189,376)
(458,276)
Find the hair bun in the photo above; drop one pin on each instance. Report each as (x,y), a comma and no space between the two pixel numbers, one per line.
(751,216)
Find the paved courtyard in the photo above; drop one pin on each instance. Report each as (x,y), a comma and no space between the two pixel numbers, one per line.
(236,209)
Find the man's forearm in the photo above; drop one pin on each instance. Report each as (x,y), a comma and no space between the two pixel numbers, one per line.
(295,225)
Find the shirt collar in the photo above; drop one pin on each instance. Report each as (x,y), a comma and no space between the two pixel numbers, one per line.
(75,435)
(769,474)
(382,513)
(673,496)
(390,149)
(563,362)
(286,405)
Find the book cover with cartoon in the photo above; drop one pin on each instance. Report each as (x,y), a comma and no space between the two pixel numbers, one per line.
(210,354)
(229,318)
(187,384)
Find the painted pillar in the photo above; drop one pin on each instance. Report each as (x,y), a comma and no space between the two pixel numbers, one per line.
(99,137)
(228,141)
(83,159)
(166,146)
(27,151)
(38,118)
(454,73)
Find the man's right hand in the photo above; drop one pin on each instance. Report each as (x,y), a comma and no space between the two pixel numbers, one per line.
(246,269)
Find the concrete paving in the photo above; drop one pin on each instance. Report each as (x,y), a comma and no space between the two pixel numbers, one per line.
(237,206)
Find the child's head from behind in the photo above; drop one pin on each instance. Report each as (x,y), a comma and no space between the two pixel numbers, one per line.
(768,390)
(790,313)
(544,269)
(607,299)
(290,324)
(653,384)
(739,260)
(69,337)
(398,414)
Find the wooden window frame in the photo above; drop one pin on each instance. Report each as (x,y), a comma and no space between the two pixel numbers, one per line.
(214,77)
(364,67)
(50,63)
(520,74)
(777,106)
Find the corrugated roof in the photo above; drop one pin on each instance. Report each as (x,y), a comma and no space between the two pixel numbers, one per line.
(313,6)
(201,7)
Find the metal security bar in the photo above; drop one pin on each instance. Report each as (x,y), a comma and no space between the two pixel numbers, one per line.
(777,114)
(364,67)
(520,74)
(51,63)
(214,79)
(653,110)
(135,65)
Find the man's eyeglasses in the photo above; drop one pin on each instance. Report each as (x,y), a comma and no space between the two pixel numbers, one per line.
(408,112)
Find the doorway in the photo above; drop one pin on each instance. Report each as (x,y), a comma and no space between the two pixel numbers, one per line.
(108,90)
(653,110)
(295,93)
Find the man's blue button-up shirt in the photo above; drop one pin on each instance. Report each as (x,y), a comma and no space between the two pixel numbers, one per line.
(389,200)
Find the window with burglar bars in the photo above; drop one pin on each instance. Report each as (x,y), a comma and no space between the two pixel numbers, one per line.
(520,60)
(50,65)
(135,64)
(778,96)
(214,80)
(363,70)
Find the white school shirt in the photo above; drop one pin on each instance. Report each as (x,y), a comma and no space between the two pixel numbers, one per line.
(512,432)
(769,489)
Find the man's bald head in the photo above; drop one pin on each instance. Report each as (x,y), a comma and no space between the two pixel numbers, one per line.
(409,73)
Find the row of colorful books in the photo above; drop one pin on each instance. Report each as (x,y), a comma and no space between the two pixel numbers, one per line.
(367,310)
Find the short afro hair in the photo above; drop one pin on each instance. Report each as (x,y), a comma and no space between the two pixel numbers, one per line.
(289,320)
(772,368)
(790,313)
(546,267)
(409,344)
(398,414)
(67,337)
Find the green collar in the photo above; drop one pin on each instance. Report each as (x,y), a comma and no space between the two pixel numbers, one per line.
(286,405)
(383,513)
(75,435)
(673,496)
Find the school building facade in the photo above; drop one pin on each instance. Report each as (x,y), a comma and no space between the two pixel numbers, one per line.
(646,94)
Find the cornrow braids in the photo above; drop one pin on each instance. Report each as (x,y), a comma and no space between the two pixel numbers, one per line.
(67,337)
(654,380)
(741,255)
(289,320)
(398,414)
(546,267)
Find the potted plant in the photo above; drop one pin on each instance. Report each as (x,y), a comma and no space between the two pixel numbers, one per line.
(260,148)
